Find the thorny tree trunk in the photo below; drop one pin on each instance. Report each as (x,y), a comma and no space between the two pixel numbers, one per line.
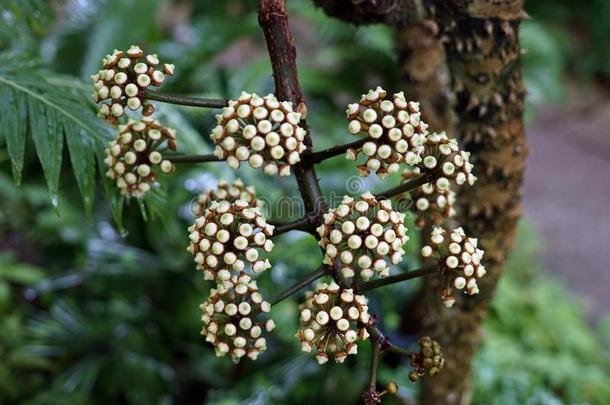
(421,65)
(483,54)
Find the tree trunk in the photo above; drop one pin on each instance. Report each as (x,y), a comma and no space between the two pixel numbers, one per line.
(421,66)
(482,50)
(483,55)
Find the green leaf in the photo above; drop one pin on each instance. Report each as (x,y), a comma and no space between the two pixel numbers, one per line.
(12,128)
(117,201)
(53,106)
(83,163)
(48,138)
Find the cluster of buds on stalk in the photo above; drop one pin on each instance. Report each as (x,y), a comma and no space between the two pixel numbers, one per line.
(135,153)
(396,130)
(459,261)
(363,236)
(360,238)
(262,131)
(442,154)
(228,318)
(227,236)
(333,320)
(123,80)
(431,204)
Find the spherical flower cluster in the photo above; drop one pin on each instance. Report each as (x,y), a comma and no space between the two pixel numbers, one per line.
(134,154)
(442,152)
(396,129)
(362,235)
(227,236)
(429,360)
(260,130)
(432,205)
(333,320)
(227,192)
(123,81)
(459,260)
(228,318)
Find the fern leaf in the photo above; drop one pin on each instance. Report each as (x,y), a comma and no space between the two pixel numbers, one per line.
(55,107)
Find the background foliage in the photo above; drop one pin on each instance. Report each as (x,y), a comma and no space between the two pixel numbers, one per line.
(104,307)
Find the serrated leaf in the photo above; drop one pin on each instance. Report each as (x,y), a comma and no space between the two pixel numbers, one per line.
(12,128)
(117,201)
(52,106)
(48,139)
(83,163)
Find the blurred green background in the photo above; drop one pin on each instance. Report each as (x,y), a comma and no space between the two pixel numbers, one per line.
(104,307)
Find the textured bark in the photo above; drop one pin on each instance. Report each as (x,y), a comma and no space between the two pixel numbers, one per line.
(483,54)
(421,64)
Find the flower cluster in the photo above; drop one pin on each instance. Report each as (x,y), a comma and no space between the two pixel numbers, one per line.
(227,192)
(228,318)
(432,204)
(132,157)
(428,360)
(333,320)
(123,81)
(226,236)
(459,260)
(395,127)
(362,235)
(260,130)
(442,152)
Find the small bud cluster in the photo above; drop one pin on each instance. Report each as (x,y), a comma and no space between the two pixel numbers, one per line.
(362,235)
(333,320)
(226,192)
(134,154)
(260,130)
(442,152)
(396,129)
(459,259)
(228,318)
(227,236)
(123,81)
(429,360)
(433,205)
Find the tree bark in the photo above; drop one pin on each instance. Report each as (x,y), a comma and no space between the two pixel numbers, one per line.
(481,43)
(483,55)
(422,70)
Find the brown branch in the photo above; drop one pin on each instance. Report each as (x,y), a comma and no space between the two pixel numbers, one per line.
(406,186)
(303,224)
(390,12)
(186,100)
(273,19)
(374,364)
(319,272)
(193,158)
(324,154)
(409,275)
